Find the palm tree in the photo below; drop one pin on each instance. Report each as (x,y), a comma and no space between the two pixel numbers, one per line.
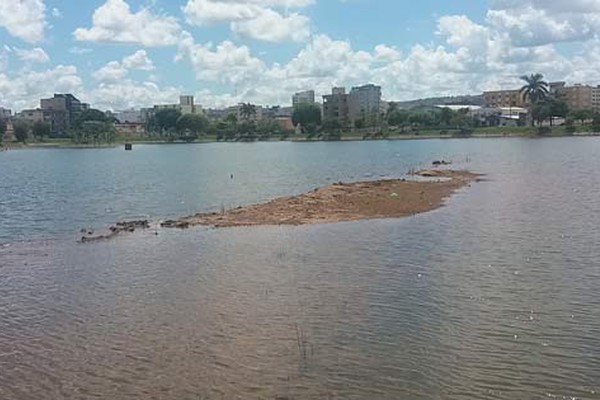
(247,110)
(535,90)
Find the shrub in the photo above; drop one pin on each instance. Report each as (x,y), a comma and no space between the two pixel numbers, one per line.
(544,130)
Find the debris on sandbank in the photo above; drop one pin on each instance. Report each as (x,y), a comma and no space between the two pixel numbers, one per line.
(120,227)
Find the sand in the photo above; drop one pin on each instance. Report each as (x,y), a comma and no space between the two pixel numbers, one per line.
(390,198)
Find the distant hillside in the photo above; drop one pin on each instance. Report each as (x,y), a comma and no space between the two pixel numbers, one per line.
(476,100)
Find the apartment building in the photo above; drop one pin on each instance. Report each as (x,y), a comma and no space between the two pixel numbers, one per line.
(32,115)
(306,97)
(364,103)
(5,113)
(504,98)
(336,107)
(61,111)
(577,97)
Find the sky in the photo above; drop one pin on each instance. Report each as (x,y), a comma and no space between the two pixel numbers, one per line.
(120,54)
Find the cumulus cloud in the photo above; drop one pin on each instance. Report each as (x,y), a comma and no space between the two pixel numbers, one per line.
(115,22)
(225,62)
(271,26)
(35,55)
(256,19)
(24,19)
(24,89)
(115,71)
(128,94)
(539,22)
(515,37)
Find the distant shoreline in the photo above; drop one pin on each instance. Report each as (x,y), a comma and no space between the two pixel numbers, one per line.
(343,138)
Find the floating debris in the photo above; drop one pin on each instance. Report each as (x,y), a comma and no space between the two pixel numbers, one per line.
(128,226)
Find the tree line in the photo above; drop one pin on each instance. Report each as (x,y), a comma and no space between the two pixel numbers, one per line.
(89,127)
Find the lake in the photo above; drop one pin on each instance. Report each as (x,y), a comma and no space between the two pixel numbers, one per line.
(493,296)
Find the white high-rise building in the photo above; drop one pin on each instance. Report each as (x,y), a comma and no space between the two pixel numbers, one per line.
(364,103)
(306,97)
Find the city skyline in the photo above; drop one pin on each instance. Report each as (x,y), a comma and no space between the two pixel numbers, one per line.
(118,54)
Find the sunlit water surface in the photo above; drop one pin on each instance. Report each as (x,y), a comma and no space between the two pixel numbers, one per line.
(494,296)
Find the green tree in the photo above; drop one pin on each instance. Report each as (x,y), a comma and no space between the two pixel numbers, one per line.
(582,115)
(247,130)
(398,117)
(21,130)
(90,115)
(40,129)
(94,132)
(93,127)
(267,128)
(247,111)
(191,125)
(391,109)
(164,122)
(446,115)
(306,115)
(558,108)
(596,122)
(227,129)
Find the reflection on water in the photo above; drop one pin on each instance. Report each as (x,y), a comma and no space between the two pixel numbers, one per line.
(492,297)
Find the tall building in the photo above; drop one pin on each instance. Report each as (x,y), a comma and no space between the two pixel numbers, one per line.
(364,103)
(186,106)
(596,99)
(336,108)
(5,113)
(32,115)
(306,97)
(61,111)
(504,98)
(577,97)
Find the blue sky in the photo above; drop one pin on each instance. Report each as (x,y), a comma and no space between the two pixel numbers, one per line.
(118,54)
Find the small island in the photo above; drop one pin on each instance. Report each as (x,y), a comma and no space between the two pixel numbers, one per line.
(339,202)
(389,198)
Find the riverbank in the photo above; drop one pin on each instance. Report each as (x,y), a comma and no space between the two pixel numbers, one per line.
(391,198)
(482,133)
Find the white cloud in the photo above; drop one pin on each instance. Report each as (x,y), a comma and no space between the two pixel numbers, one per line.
(515,38)
(112,71)
(79,50)
(273,27)
(539,22)
(202,12)
(256,19)
(115,71)
(225,62)
(115,22)
(56,13)
(138,60)
(128,94)
(24,19)
(24,89)
(35,55)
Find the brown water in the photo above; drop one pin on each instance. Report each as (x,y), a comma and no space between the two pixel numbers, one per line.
(494,296)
